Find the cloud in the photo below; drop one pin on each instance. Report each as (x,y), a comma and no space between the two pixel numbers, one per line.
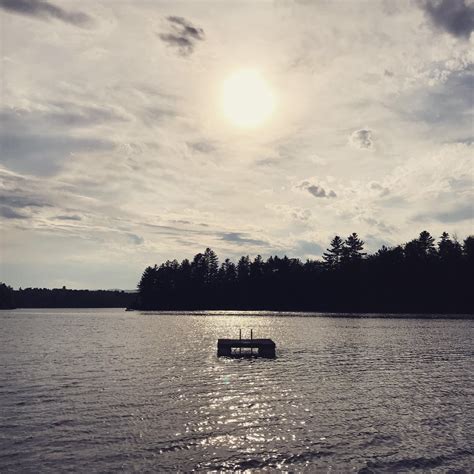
(33,142)
(316,190)
(378,224)
(296,213)
(154,115)
(454,16)
(46,11)
(362,139)
(21,201)
(135,239)
(69,218)
(203,146)
(61,114)
(446,103)
(308,248)
(458,213)
(379,189)
(9,213)
(183,35)
(240,239)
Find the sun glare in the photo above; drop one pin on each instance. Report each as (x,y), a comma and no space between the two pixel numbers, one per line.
(247,99)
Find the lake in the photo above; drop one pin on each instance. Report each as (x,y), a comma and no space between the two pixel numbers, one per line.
(100,390)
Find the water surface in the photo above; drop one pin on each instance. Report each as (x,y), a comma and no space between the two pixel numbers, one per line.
(100,390)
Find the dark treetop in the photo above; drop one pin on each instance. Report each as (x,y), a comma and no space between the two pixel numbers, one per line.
(420,276)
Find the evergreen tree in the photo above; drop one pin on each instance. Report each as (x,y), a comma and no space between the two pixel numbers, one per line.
(6,297)
(199,269)
(352,249)
(211,265)
(227,271)
(333,255)
(243,268)
(421,248)
(148,286)
(449,250)
(468,249)
(256,268)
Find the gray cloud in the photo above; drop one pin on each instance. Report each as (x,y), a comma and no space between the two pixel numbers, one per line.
(135,239)
(362,139)
(13,199)
(46,11)
(9,213)
(305,248)
(62,114)
(204,146)
(69,218)
(382,190)
(268,161)
(445,104)
(183,35)
(240,239)
(379,225)
(153,115)
(454,16)
(458,213)
(316,190)
(44,155)
(29,145)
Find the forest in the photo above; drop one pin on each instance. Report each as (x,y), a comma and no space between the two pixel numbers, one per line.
(420,276)
(62,298)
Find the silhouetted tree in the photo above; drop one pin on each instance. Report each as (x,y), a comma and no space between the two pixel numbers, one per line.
(148,286)
(449,250)
(243,269)
(212,266)
(333,255)
(352,249)
(7,300)
(468,249)
(421,248)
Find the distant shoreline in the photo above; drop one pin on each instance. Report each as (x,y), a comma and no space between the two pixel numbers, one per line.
(274,313)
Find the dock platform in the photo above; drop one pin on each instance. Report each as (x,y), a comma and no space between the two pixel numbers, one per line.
(246,348)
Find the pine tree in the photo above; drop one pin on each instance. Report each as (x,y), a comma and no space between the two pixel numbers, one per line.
(227,271)
(212,266)
(468,249)
(243,268)
(256,268)
(148,286)
(332,257)
(449,250)
(427,243)
(352,249)
(421,248)
(6,297)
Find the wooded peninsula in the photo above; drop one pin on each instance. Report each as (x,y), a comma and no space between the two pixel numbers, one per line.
(421,276)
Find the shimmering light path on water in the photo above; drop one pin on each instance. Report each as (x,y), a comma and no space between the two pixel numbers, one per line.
(99,390)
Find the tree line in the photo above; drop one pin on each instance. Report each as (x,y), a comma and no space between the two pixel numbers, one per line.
(62,298)
(421,276)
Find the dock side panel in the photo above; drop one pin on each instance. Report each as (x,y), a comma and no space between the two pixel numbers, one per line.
(223,350)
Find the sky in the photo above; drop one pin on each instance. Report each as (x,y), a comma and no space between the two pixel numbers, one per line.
(119,148)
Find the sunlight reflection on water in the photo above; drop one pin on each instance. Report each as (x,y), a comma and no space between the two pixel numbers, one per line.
(101,390)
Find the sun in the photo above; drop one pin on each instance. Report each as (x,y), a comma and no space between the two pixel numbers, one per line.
(247,99)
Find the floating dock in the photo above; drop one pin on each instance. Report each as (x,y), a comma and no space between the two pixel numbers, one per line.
(246,347)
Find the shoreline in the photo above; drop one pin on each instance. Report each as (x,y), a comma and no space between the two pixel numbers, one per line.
(270,313)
